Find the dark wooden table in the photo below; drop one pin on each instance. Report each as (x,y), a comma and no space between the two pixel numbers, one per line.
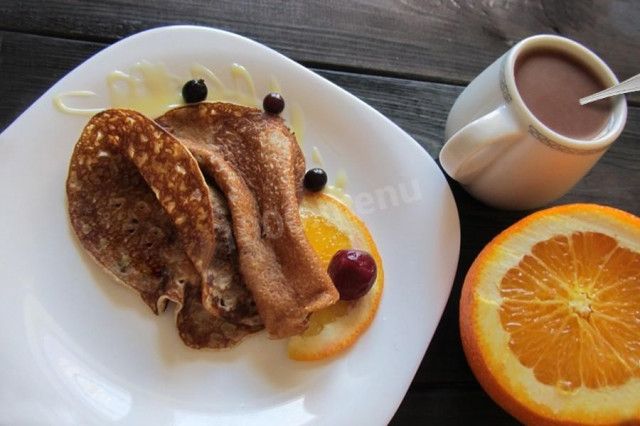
(407,58)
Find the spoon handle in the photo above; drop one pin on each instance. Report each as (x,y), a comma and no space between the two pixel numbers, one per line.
(630,85)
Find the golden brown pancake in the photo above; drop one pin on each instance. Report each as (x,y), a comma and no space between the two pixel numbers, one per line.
(277,304)
(224,292)
(141,208)
(258,165)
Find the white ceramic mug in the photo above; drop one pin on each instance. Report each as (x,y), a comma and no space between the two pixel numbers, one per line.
(506,157)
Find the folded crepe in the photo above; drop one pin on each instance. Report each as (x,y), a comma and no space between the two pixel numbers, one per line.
(142,209)
(256,162)
(224,292)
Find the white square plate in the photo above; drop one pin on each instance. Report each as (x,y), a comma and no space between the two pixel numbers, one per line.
(79,349)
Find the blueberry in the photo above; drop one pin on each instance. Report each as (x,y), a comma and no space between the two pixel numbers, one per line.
(194,91)
(273,103)
(315,179)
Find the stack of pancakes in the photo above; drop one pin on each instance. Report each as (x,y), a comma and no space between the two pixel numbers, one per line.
(200,207)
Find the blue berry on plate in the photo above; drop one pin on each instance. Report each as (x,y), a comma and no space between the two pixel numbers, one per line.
(273,103)
(194,91)
(315,179)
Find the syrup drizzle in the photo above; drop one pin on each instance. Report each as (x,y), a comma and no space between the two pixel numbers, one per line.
(150,88)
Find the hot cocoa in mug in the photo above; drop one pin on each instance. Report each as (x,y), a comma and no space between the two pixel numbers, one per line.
(551,84)
(518,138)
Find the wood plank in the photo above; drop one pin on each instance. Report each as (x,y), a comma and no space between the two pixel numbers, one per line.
(447,406)
(29,65)
(411,39)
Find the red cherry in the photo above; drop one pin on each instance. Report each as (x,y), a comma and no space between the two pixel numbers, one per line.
(353,273)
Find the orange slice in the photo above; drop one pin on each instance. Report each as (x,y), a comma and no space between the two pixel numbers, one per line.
(550,317)
(331,226)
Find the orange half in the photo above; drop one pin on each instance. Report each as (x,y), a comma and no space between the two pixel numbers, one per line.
(550,317)
(331,226)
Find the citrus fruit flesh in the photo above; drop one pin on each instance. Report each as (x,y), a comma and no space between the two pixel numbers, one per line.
(331,226)
(550,317)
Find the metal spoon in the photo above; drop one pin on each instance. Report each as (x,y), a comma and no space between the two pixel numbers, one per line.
(630,85)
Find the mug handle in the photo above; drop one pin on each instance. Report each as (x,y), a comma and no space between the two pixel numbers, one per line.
(459,155)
